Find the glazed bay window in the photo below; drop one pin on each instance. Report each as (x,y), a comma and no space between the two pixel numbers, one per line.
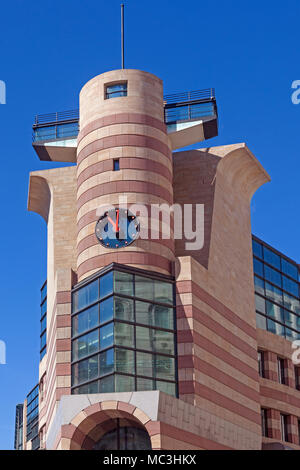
(277,288)
(123,333)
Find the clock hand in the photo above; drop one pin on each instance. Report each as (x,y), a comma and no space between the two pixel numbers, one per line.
(117,222)
(112,222)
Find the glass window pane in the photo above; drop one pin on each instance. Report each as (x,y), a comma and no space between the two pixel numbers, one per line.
(125,361)
(166,387)
(258,267)
(274,293)
(260,304)
(43,340)
(123,283)
(271,258)
(291,303)
(117,87)
(124,334)
(145,364)
(291,320)
(144,288)
(85,296)
(106,284)
(273,276)
(86,320)
(106,336)
(165,367)
(289,269)
(275,328)
(261,322)
(85,345)
(43,324)
(259,285)
(44,308)
(154,340)
(144,384)
(106,362)
(85,370)
(154,315)
(107,384)
(163,292)
(92,367)
(275,311)
(124,309)
(257,248)
(289,334)
(106,310)
(290,286)
(124,383)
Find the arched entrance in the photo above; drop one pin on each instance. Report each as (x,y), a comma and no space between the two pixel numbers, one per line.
(110,426)
(124,435)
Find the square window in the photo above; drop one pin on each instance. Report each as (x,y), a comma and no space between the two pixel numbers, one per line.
(85,345)
(85,296)
(107,384)
(124,335)
(144,288)
(144,384)
(155,340)
(124,383)
(85,321)
(125,361)
(166,387)
(116,91)
(123,283)
(124,309)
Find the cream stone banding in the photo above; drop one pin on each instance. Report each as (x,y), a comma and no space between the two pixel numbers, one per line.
(127,175)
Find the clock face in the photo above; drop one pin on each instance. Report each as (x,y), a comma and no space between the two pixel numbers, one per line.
(117,228)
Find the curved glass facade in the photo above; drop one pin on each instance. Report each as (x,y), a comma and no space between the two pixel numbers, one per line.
(123,334)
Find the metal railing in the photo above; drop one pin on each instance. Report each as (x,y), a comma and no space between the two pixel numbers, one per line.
(185,106)
(205,94)
(72,115)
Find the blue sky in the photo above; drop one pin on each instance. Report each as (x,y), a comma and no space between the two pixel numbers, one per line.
(247,50)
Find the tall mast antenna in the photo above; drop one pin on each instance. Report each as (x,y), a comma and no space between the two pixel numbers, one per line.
(122,35)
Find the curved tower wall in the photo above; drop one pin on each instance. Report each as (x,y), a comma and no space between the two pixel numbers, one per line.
(129,128)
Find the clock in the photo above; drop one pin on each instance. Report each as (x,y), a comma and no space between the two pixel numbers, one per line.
(117,228)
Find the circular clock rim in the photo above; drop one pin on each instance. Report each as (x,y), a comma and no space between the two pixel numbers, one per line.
(129,243)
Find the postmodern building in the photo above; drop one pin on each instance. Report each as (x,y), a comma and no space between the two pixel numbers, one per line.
(152,339)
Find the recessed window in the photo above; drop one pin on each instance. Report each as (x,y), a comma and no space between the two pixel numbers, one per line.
(115,91)
(261,363)
(284,427)
(281,370)
(264,422)
(297,377)
(116,165)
